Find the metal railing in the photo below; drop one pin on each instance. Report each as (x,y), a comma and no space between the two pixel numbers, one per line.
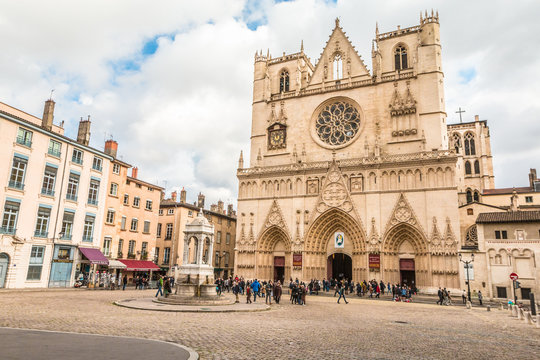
(9,230)
(16,185)
(41,234)
(48,192)
(22,141)
(92,202)
(54,152)
(71,197)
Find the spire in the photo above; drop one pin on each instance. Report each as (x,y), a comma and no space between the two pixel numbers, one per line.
(421,17)
(241,160)
(377,28)
(337,22)
(302,46)
(267,53)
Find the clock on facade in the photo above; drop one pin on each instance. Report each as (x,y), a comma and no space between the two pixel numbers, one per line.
(276,138)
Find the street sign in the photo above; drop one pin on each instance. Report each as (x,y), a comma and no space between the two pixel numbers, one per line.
(514,276)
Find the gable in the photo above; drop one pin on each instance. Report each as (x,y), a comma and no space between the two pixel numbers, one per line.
(339,45)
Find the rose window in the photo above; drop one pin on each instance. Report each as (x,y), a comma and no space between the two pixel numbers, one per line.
(337,123)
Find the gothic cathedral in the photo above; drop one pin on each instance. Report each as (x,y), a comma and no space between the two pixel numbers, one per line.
(352,174)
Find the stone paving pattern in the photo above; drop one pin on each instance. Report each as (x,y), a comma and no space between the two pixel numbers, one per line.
(363,329)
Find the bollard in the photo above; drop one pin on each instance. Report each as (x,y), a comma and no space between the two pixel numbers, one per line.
(468,305)
(537,321)
(501,307)
(528,318)
(488,308)
(514,310)
(520,314)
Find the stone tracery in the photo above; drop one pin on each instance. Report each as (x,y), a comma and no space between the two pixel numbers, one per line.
(337,123)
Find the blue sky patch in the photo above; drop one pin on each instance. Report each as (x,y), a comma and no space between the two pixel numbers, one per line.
(466,75)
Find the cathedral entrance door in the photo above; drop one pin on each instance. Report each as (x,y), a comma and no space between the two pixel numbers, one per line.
(279,268)
(406,272)
(339,266)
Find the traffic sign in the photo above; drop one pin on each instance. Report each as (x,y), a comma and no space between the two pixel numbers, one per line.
(514,276)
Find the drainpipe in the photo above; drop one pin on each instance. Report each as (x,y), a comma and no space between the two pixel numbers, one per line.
(58,211)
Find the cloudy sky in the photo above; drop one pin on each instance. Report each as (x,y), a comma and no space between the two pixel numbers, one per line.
(171,80)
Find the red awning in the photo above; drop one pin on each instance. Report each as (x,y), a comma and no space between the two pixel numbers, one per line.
(139,265)
(95,256)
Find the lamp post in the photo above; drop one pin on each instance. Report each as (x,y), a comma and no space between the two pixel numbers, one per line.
(467,262)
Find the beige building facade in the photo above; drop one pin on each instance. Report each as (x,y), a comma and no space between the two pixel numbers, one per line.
(350,174)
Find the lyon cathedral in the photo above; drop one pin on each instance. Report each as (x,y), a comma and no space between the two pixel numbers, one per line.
(357,174)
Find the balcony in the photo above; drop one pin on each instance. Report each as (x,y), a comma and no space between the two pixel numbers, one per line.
(131,256)
(71,197)
(66,237)
(54,152)
(86,238)
(119,255)
(92,202)
(21,140)
(97,167)
(41,234)
(48,192)
(8,230)
(16,185)
(76,161)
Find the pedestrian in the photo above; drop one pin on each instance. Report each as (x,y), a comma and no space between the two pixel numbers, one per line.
(277,291)
(464,297)
(255,286)
(480,296)
(441,296)
(159,286)
(248,293)
(124,282)
(167,287)
(341,293)
(236,291)
(269,287)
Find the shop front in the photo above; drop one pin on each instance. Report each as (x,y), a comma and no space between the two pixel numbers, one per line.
(62,266)
(140,268)
(92,268)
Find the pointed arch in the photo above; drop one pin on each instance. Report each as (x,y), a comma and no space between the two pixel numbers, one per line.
(271,236)
(337,66)
(476,167)
(468,170)
(400,57)
(284,80)
(397,234)
(321,230)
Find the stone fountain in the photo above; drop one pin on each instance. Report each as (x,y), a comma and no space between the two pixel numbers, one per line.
(195,281)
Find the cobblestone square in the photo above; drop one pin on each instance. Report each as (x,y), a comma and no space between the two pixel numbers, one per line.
(362,329)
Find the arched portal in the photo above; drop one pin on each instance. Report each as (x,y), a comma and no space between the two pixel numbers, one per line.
(4,263)
(339,266)
(274,255)
(405,256)
(319,245)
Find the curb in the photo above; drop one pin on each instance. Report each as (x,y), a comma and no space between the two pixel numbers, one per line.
(193,355)
(199,310)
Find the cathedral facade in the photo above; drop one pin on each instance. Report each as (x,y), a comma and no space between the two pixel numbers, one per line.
(354,174)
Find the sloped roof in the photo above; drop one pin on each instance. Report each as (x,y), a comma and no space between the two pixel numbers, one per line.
(519,190)
(508,217)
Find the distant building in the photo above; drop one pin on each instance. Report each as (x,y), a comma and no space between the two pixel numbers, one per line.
(173,217)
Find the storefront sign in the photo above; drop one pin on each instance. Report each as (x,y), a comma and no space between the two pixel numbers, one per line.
(374,261)
(297,259)
(339,240)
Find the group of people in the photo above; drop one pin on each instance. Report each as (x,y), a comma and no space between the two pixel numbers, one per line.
(165,285)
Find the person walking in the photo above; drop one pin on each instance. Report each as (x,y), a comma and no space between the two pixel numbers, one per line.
(269,289)
(341,293)
(464,297)
(124,282)
(255,286)
(248,293)
(167,286)
(480,296)
(440,294)
(277,292)
(159,286)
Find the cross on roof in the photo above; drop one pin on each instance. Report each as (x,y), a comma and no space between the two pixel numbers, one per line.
(460,111)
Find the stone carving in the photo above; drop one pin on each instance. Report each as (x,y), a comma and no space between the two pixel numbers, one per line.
(374,240)
(403,214)
(274,218)
(337,123)
(403,113)
(312,186)
(334,192)
(356,183)
(471,238)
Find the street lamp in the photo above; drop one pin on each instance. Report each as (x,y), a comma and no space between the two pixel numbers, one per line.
(467,262)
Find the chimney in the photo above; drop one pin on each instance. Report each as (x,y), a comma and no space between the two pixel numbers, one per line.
(111,147)
(476,118)
(220,206)
(200,201)
(173,196)
(213,207)
(134,172)
(48,114)
(532,177)
(183,196)
(230,209)
(83,136)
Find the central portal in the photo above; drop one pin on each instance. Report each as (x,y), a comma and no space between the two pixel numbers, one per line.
(339,266)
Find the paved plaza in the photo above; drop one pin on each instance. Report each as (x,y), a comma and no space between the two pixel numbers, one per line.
(362,329)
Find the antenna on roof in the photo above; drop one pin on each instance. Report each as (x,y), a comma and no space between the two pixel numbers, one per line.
(50,97)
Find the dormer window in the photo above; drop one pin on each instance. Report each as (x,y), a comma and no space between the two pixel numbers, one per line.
(284,81)
(338,67)
(400,56)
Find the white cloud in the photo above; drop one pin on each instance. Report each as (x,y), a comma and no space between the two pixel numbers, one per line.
(183,113)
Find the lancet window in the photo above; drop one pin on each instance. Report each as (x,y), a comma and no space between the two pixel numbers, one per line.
(469,197)
(457,142)
(338,67)
(284,81)
(468,168)
(400,56)
(477,167)
(470,149)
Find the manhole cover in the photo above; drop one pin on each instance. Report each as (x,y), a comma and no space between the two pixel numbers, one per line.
(400,322)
